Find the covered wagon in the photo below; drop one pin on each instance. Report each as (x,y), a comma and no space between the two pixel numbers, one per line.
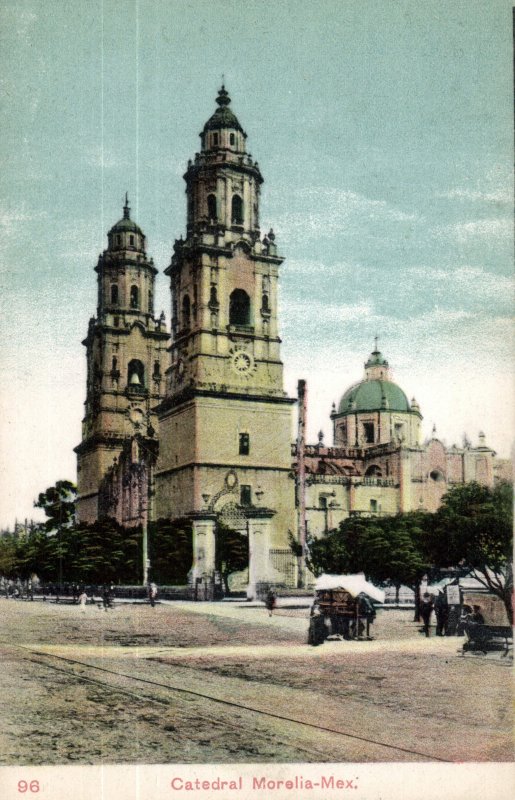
(344,606)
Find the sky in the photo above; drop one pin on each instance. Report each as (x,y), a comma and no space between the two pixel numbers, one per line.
(384,132)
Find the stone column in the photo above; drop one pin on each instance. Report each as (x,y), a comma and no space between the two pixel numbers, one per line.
(259,530)
(202,572)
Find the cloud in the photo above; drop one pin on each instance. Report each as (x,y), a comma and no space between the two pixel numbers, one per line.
(329,212)
(493,229)
(501,195)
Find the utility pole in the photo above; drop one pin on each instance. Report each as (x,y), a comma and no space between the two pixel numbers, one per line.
(302,391)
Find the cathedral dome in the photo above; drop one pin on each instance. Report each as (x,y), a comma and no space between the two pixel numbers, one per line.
(126,224)
(223,116)
(373,395)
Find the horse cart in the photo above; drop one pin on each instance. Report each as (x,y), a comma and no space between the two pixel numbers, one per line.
(343,608)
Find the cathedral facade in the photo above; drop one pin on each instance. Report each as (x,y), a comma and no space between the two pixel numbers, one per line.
(195,423)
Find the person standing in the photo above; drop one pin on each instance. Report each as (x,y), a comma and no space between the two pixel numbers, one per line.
(106,598)
(426,609)
(441,613)
(83,599)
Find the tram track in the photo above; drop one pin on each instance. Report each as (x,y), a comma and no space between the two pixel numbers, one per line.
(44,659)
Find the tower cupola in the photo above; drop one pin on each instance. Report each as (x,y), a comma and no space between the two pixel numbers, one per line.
(377,367)
(223,182)
(126,235)
(223,131)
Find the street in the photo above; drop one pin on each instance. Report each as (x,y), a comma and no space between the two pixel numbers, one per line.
(225,683)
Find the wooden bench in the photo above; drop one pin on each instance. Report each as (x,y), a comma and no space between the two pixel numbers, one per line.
(488,637)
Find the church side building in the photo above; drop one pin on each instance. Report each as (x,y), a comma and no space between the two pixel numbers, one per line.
(225,423)
(377,465)
(126,363)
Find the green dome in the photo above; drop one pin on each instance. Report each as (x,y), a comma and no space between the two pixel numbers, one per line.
(126,223)
(373,395)
(223,116)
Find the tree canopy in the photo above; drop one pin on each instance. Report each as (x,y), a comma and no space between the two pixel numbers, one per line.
(472,530)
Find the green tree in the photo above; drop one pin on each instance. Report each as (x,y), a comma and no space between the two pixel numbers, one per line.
(170,550)
(8,556)
(474,528)
(232,552)
(387,549)
(58,503)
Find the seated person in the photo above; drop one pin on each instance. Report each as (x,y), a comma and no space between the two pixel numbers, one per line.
(476,618)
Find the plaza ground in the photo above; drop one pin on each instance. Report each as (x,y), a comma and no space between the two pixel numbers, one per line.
(224,683)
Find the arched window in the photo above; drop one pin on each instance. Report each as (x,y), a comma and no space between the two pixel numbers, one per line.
(239,308)
(237,210)
(186,311)
(373,472)
(114,364)
(211,207)
(232,138)
(265,306)
(134,297)
(213,298)
(114,294)
(157,370)
(136,375)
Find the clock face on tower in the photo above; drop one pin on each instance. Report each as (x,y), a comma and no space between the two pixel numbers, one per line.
(242,362)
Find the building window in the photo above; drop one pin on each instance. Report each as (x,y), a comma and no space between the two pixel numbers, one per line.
(239,308)
(237,210)
(118,240)
(215,139)
(265,306)
(373,506)
(211,207)
(232,139)
(131,240)
(245,495)
(244,444)
(116,322)
(368,431)
(150,302)
(213,298)
(157,370)
(114,294)
(134,297)
(136,374)
(114,366)
(186,312)
(399,431)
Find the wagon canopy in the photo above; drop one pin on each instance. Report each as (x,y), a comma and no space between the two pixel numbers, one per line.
(354,584)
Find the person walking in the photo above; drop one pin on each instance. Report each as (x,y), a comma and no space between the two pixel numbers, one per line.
(426,609)
(152,593)
(270,602)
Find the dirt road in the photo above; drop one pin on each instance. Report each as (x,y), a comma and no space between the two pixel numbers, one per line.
(220,683)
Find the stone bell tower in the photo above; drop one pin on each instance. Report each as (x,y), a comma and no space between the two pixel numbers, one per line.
(225,424)
(126,362)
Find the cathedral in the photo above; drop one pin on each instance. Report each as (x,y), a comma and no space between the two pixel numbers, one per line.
(194,423)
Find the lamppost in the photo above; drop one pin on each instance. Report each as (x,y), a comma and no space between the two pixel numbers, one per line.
(145,510)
